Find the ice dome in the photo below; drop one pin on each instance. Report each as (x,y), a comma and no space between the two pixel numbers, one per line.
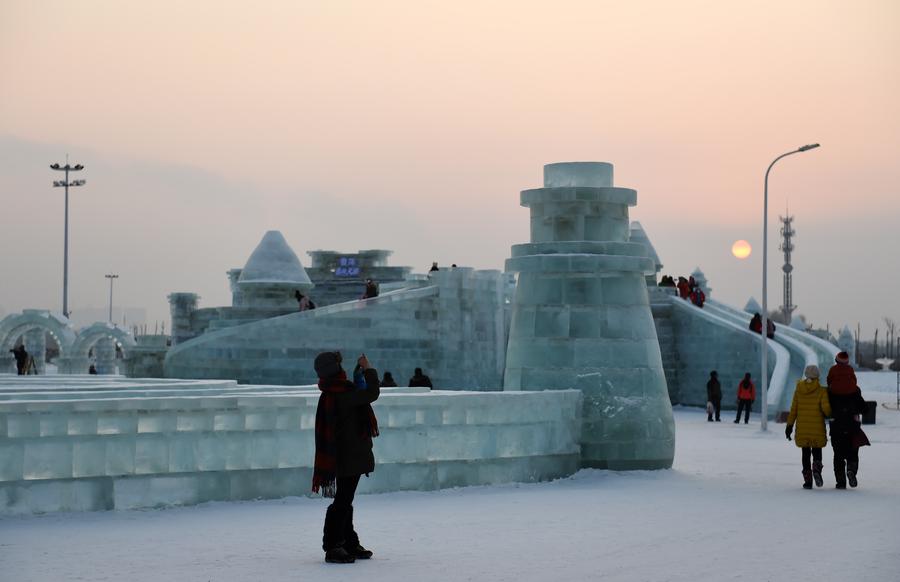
(274,262)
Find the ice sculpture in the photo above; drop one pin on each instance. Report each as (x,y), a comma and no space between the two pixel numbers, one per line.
(581,318)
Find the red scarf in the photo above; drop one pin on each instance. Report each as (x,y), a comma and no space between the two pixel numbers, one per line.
(325,467)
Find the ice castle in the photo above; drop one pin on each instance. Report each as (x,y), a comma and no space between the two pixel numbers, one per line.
(570,358)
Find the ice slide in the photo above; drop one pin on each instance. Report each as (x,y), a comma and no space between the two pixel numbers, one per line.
(780,356)
(800,353)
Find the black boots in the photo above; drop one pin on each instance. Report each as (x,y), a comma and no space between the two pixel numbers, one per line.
(852,467)
(817,474)
(339,556)
(807,479)
(351,540)
(840,474)
(339,540)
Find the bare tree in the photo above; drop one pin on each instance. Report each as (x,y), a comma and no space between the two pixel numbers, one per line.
(875,346)
(891,326)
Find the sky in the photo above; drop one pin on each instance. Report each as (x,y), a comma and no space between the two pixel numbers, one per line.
(413,126)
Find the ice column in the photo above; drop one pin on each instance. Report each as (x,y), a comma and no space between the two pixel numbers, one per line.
(105,354)
(581,318)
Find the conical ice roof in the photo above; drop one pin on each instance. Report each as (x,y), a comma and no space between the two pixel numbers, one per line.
(753,306)
(273,261)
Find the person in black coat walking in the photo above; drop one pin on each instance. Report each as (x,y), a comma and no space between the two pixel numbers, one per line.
(846,433)
(714,396)
(345,426)
(420,380)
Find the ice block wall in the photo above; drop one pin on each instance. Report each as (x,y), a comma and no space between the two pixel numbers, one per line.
(581,317)
(82,443)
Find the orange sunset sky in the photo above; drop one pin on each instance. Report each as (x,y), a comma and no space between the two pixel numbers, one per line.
(413,126)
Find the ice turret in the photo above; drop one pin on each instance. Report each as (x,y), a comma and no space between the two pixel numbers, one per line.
(581,317)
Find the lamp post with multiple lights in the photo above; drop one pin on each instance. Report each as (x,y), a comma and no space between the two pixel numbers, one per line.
(764,375)
(66,184)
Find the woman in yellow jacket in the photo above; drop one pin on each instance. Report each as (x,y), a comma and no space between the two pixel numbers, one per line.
(809,409)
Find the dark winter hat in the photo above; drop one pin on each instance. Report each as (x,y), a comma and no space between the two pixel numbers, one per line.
(714,374)
(328,364)
(842,358)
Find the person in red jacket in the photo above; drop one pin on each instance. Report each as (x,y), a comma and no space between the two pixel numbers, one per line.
(684,290)
(746,395)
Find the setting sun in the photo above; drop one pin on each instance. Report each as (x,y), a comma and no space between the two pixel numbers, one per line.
(741,249)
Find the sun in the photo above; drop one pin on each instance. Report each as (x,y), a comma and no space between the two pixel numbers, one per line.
(741,249)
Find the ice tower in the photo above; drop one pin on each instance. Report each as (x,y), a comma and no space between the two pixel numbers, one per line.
(581,318)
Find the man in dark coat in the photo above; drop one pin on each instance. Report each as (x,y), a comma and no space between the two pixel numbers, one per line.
(420,380)
(21,357)
(345,426)
(714,396)
(846,433)
(371,289)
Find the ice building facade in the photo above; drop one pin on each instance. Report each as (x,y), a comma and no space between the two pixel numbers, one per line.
(572,362)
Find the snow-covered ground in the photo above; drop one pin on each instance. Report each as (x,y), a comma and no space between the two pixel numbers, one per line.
(731,509)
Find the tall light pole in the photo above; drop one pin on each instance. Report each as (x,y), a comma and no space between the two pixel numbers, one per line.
(764,375)
(65,184)
(111,278)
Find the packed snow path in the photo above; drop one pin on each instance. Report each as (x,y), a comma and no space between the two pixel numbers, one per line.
(731,509)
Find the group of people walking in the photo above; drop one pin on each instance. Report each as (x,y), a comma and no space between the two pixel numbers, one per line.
(687,288)
(841,402)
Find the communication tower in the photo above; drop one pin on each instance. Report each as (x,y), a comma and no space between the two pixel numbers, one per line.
(787,247)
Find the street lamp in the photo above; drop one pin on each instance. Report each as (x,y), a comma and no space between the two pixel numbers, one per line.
(65,184)
(765,284)
(111,278)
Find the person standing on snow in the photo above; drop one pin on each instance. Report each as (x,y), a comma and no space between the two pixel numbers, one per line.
(746,395)
(846,433)
(809,408)
(345,426)
(714,396)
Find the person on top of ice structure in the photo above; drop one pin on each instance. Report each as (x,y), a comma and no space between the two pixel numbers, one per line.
(434,267)
(371,289)
(698,297)
(420,380)
(756,323)
(846,433)
(809,408)
(388,381)
(684,290)
(304,303)
(345,426)
(714,396)
(746,395)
